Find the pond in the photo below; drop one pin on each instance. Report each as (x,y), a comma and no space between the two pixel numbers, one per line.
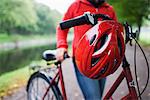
(17,58)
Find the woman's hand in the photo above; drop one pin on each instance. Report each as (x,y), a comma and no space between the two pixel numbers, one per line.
(60,53)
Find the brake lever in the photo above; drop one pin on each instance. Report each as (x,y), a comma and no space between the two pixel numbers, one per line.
(132,36)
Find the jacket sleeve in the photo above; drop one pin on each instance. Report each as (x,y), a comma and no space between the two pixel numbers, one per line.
(61,35)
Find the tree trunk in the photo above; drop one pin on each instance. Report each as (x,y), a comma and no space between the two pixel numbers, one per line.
(8,31)
(139,30)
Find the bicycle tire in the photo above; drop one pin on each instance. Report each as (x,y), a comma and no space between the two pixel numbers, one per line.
(35,88)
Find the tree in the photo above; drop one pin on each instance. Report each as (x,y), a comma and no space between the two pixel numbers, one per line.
(47,18)
(136,11)
(16,14)
(27,16)
(133,11)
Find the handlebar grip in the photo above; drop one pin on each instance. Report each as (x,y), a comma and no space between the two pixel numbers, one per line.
(104,17)
(73,22)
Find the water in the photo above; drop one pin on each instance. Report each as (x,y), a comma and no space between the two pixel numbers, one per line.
(17,58)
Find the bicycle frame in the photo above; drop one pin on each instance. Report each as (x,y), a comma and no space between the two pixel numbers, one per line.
(126,73)
(58,75)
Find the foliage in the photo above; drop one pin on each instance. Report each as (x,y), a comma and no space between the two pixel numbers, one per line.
(46,18)
(136,11)
(16,14)
(26,16)
(133,11)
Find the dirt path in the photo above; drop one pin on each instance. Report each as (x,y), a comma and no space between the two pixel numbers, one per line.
(73,91)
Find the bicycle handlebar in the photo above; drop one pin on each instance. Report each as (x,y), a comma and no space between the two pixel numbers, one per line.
(73,22)
(86,18)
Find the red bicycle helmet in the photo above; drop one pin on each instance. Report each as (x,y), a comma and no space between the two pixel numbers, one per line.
(101,50)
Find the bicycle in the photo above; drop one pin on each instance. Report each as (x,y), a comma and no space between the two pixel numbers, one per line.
(49,78)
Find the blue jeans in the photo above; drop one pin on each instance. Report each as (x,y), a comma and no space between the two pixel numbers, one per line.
(91,89)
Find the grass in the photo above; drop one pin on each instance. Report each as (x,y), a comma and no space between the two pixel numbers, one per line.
(16,37)
(13,80)
(4,38)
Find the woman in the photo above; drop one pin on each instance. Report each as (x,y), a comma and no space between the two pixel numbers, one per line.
(91,89)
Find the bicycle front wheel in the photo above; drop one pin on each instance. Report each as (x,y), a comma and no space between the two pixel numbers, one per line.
(38,85)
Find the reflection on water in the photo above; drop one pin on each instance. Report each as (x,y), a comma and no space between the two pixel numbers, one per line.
(14,59)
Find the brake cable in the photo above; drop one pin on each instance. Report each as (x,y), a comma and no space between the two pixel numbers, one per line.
(136,72)
(132,36)
(136,69)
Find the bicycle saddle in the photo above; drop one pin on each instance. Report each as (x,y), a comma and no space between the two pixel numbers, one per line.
(49,55)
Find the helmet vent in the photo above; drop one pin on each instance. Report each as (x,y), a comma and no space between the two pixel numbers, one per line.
(95,61)
(115,62)
(102,71)
(92,39)
(119,46)
(100,43)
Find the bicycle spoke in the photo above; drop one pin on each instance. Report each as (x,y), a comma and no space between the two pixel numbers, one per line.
(39,88)
(35,92)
